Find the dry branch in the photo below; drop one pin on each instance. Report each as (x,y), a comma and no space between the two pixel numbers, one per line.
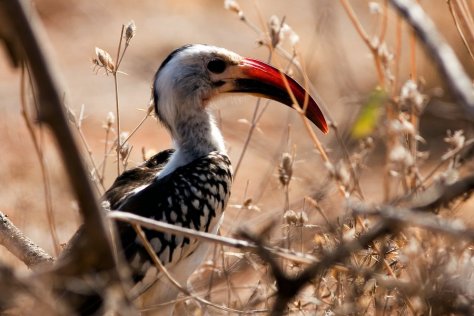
(408,217)
(27,42)
(33,47)
(222,240)
(21,246)
(442,54)
(289,287)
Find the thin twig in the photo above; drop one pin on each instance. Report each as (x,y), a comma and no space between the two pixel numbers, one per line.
(162,269)
(373,47)
(44,172)
(464,23)
(253,125)
(117,108)
(95,171)
(148,114)
(289,287)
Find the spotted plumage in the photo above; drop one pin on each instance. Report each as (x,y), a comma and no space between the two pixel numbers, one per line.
(194,196)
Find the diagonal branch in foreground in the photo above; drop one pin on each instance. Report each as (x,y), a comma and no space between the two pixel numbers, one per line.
(442,54)
(244,245)
(21,246)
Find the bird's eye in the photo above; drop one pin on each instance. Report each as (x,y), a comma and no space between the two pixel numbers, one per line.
(216,66)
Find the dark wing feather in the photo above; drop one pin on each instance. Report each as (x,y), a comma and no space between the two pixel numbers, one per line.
(191,196)
(131,179)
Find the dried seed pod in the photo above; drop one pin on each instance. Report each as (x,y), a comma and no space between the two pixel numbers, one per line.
(455,140)
(233,6)
(110,119)
(302,218)
(274,26)
(291,217)
(287,32)
(105,205)
(374,7)
(130,31)
(285,170)
(411,96)
(125,147)
(104,60)
(401,155)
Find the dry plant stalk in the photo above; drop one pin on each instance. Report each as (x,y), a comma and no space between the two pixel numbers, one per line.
(461,12)
(38,145)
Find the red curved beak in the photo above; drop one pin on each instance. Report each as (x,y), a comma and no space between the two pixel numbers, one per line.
(256,77)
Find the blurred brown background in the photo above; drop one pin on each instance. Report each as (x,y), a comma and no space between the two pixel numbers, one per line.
(337,62)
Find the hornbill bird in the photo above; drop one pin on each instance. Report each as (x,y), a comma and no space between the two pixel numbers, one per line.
(190,185)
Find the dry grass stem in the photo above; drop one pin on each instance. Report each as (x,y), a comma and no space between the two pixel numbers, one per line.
(38,145)
(175,283)
(464,22)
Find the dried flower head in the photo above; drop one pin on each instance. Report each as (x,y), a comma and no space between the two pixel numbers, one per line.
(110,119)
(148,153)
(125,147)
(411,96)
(233,6)
(401,155)
(130,31)
(291,217)
(285,170)
(402,127)
(103,60)
(374,7)
(287,32)
(105,205)
(455,140)
(275,27)
(302,218)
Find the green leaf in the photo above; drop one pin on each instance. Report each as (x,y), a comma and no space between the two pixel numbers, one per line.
(369,115)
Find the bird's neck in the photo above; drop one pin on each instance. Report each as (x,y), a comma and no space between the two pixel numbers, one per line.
(197,135)
(194,135)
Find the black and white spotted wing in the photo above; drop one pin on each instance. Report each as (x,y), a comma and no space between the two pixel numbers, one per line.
(193,196)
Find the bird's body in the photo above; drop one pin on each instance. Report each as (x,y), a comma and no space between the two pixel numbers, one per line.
(193,196)
(190,185)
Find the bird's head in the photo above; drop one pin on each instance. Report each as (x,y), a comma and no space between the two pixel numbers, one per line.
(193,74)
